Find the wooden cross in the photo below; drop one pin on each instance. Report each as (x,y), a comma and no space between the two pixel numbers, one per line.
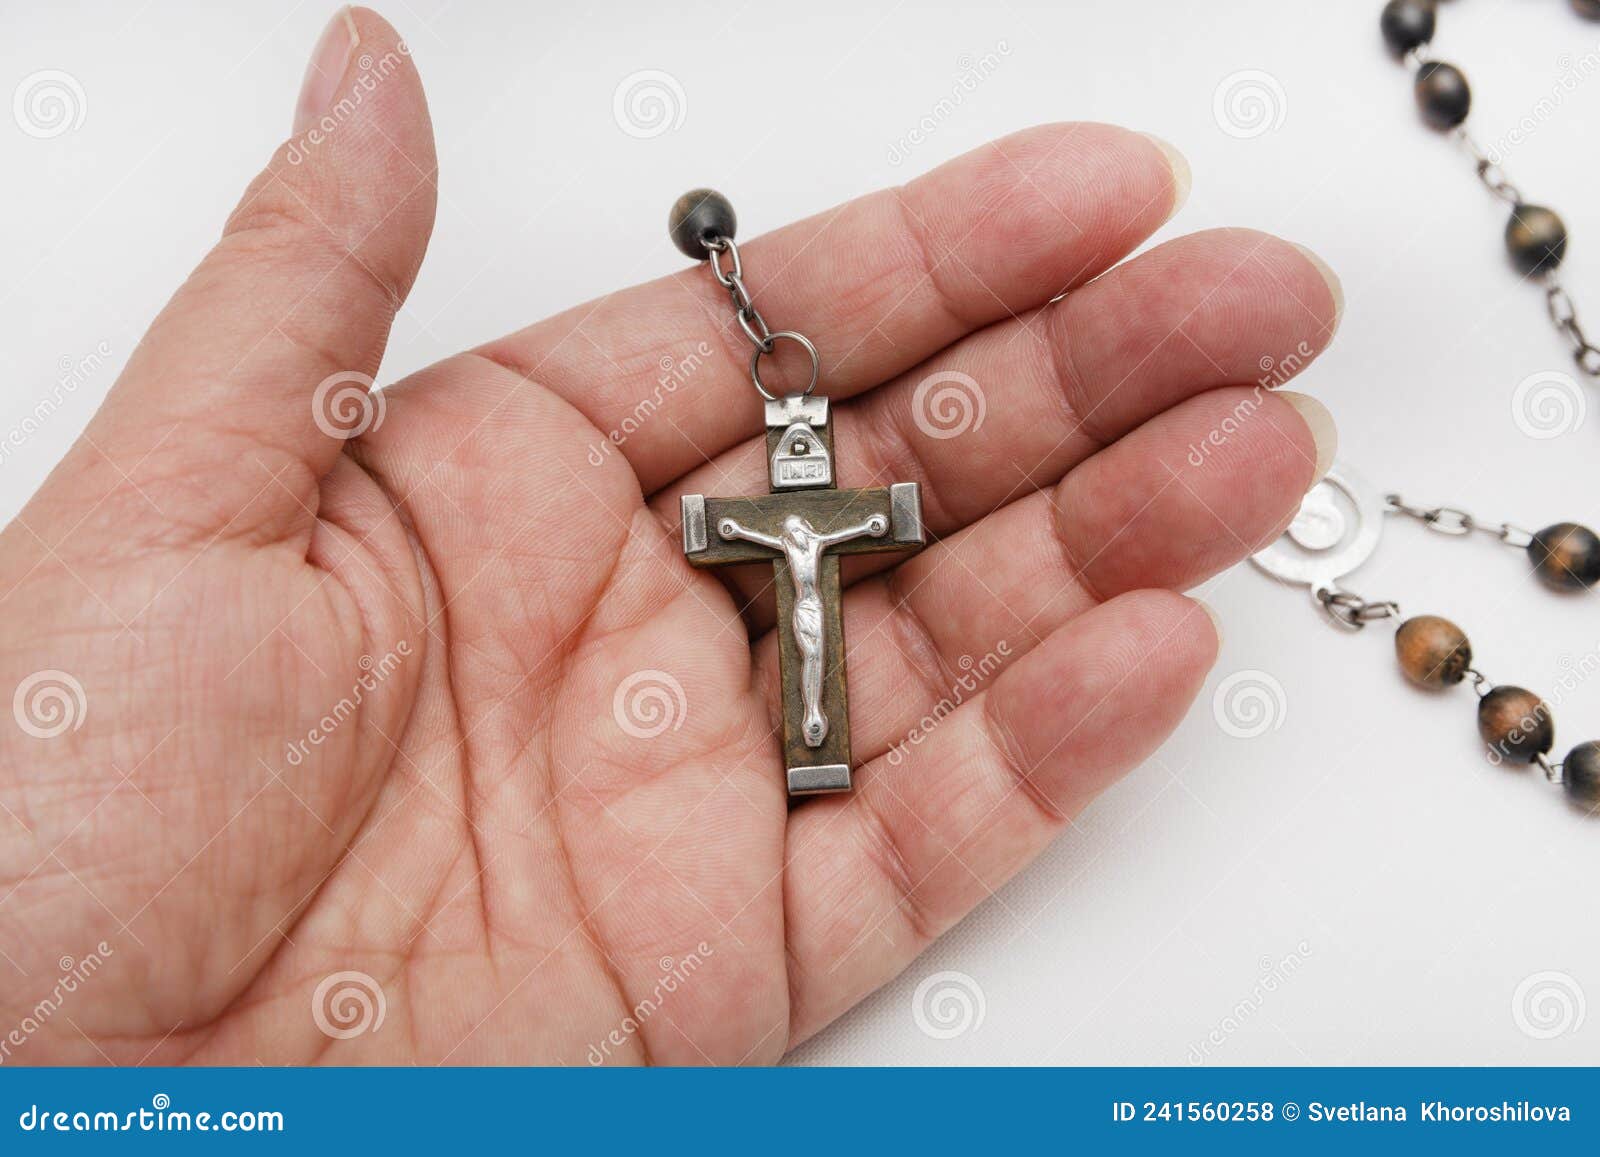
(801,528)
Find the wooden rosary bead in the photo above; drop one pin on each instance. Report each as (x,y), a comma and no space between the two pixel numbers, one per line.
(1516,724)
(1588,9)
(1580,772)
(1408,24)
(1536,238)
(698,216)
(1566,555)
(1433,652)
(1443,94)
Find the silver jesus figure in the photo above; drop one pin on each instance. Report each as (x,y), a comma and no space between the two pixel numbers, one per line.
(802,546)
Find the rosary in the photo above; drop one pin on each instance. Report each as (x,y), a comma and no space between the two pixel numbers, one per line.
(1536,237)
(1341,519)
(1337,529)
(801,527)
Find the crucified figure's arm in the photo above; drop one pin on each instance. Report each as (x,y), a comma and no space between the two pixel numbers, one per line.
(876,527)
(731,528)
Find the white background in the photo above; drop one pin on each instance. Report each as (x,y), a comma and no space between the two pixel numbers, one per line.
(1362,833)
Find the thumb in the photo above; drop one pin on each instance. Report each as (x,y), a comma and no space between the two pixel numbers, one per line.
(241,394)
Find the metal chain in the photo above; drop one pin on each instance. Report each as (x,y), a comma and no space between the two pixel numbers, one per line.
(1564,315)
(1454,521)
(762,337)
(1349,609)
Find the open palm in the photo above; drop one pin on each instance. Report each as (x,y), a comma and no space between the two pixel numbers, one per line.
(436,725)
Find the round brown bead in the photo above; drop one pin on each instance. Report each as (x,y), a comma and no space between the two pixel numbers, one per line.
(1443,94)
(1516,724)
(1580,772)
(1433,652)
(1536,238)
(1566,555)
(1588,9)
(698,216)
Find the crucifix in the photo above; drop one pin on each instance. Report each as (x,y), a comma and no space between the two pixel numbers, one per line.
(802,527)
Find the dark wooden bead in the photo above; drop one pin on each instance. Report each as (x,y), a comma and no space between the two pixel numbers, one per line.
(697,216)
(1580,772)
(1442,94)
(1516,724)
(1566,555)
(1407,24)
(1588,9)
(1536,238)
(1433,652)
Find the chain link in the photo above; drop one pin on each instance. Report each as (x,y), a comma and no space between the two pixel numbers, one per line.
(1454,521)
(1564,316)
(761,335)
(1349,609)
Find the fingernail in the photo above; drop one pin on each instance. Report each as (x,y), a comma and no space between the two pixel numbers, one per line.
(1216,620)
(329,60)
(1323,432)
(1334,287)
(1182,178)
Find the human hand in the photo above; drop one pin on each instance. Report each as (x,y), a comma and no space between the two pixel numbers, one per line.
(443,705)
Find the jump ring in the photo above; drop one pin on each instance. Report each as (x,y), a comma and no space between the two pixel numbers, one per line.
(772,341)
